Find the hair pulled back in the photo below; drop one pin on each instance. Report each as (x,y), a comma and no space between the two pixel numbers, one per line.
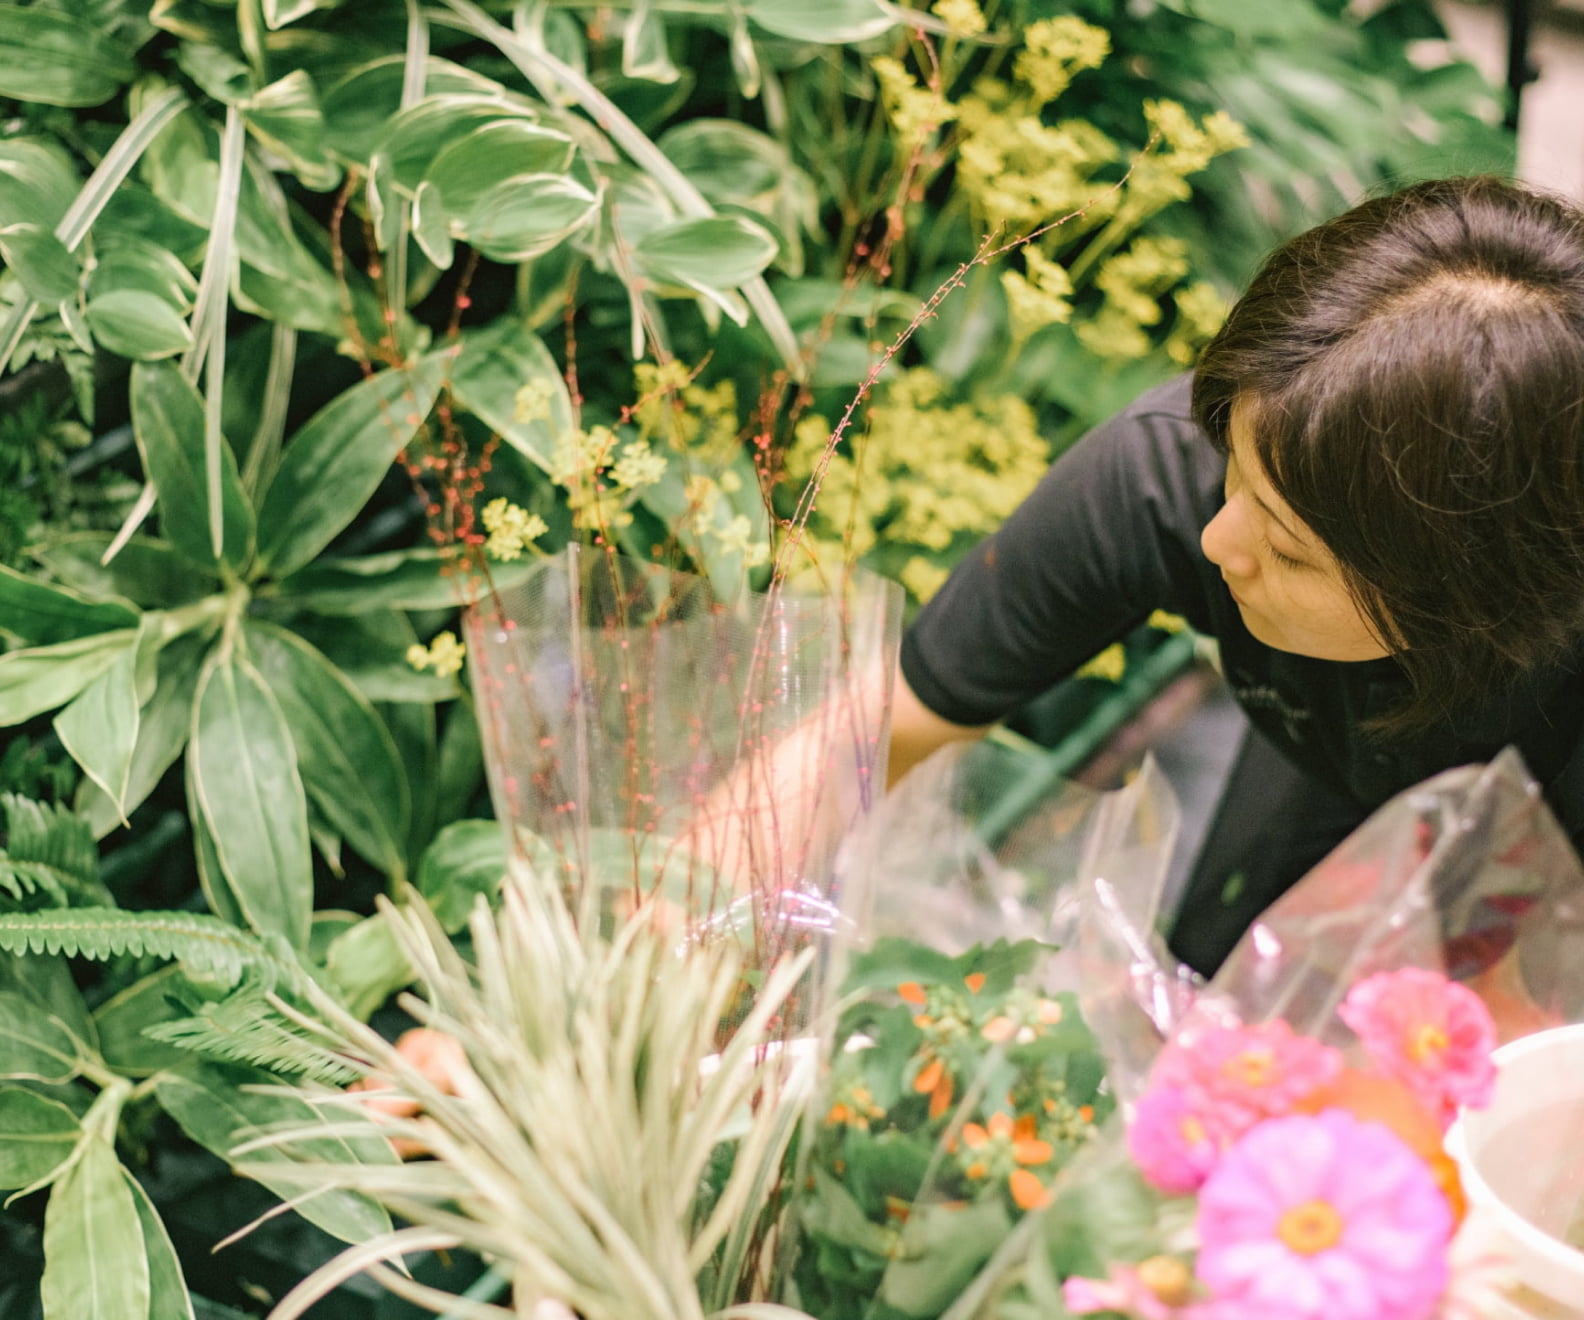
(1413,377)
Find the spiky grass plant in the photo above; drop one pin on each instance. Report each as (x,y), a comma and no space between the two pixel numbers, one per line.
(579,1154)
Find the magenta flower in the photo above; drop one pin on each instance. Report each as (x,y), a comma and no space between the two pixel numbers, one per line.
(1434,1035)
(1322,1218)
(1175,1141)
(1247,1073)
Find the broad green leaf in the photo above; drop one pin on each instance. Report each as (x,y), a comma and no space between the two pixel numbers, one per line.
(461,768)
(168,420)
(212,1104)
(830,22)
(371,648)
(46,980)
(420,579)
(412,725)
(1286,20)
(37,183)
(148,572)
(335,462)
(134,214)
(494,365)
(130,262)
(211,876)
(358,110)
(120,1021)
(431,227)
(347,759)
(367,965)
(716,253)
(727,161)
(40,261)
(470,166)
(466,859)
(99,729)
(138,325)
(521,217)
(414,138)
(40,678)
(34,1044)
(57,59)
(942,1248)
(285,117)
(251,796)
(43,615)
(164,723)
(36,1135)
(168,1295)
(95,1267)
(644,48)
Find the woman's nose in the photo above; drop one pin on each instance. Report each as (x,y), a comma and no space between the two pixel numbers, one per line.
(1226,543)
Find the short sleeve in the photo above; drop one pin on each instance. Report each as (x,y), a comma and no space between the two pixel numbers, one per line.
(1110,534)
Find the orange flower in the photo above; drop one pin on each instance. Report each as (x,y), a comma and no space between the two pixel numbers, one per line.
(934,1081)
(1028,1192)
(911,992)
(975,983)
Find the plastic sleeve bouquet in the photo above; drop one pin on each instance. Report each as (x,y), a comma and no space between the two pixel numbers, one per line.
(1286,1146)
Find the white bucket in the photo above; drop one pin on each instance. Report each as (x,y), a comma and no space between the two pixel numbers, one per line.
(1522,1160)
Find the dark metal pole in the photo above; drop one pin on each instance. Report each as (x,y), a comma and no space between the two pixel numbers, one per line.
(1520,20)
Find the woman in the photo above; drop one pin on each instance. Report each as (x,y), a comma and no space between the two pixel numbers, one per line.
(1370,492)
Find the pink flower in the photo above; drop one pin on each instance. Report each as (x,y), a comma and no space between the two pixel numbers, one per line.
(1430,1033)
(1175,1141)
(1322,1218)
(1252,1072)
(1160,1288)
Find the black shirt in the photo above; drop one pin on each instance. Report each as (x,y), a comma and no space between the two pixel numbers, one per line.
(1112,533)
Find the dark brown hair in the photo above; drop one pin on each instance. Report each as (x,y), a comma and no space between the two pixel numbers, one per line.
(1413,373)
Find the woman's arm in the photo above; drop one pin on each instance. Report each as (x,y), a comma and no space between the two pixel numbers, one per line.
(916,731)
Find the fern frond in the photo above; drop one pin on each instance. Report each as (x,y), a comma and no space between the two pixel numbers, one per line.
(50,848)
(245,1028)
(24,879)
(204,945)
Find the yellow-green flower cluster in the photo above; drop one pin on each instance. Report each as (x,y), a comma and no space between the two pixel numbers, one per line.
(1054,50)
(1200,311)
(675,410)
(444,655)
(929,473)
(1038,297)
(963,18)
(917,113)
(511,529)
(1133,281)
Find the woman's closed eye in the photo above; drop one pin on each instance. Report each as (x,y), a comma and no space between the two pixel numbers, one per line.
(1286,561)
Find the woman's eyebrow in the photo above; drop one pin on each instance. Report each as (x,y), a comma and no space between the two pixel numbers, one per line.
(1271,513)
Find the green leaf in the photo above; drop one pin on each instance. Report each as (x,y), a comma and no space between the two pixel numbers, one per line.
(1282,20)
(716,253)
(130,262)
(251,796)
(359,109)
(522,217)
(285,117)
(211,1103)
(99,729)
(40,678)
(45,979)
(471,165)
(367,966)
(40,261)
(37,183)
(422,579)
(211,876)
(727,161)
(371,650)
(495,363)
(466,859)
(168,420)
(36,1136)
(164,722)
(55,59)
(95,1267)
(135,324)
(34,1044)
(942,1248)
(347,758)
(414,139)
(121,1020)
(44,615)
(151,573)
(830,22)
(205,945)
(334,463)
(168,1295)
